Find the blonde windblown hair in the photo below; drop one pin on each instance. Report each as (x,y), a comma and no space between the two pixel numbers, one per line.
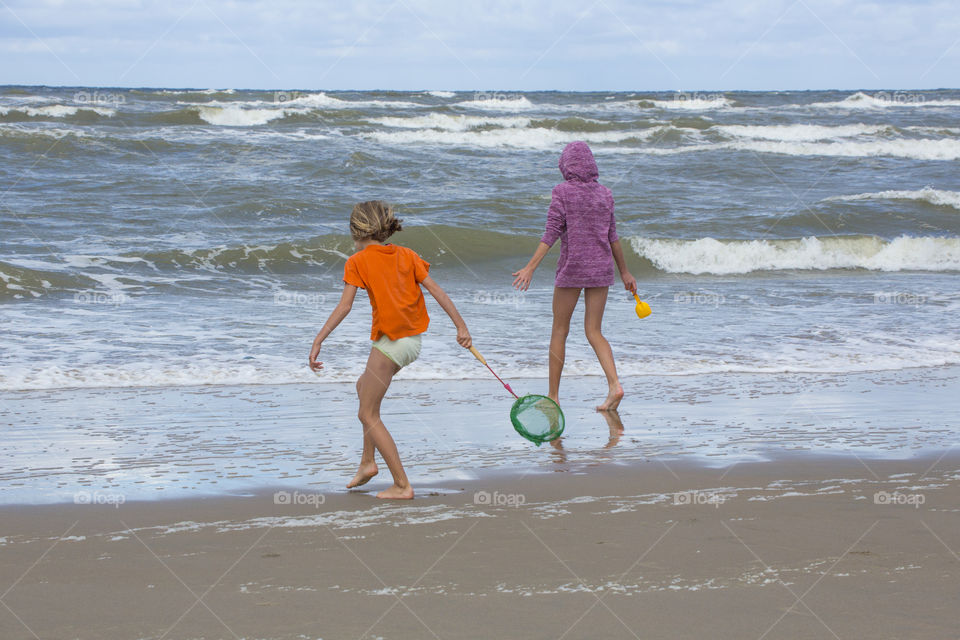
(373,220)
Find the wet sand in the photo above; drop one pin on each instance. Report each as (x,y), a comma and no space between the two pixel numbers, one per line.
(797,547)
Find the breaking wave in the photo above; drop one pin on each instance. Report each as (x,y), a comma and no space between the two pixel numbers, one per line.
(725,257)
(927,194)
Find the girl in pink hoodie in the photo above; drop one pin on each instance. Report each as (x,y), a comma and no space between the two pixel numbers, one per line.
(581,216)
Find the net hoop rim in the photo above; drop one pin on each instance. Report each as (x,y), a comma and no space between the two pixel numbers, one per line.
(537,440)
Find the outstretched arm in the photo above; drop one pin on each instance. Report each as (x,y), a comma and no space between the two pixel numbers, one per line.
(523,277)
(629,283)
(463,336)
(336,317)
(556,224)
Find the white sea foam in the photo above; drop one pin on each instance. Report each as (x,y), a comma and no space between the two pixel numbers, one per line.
(323,101)
(495,102)
(447,122)
(799,132)
(864,351)
(441,94)
(694,103)
(238,117)
(884,100)
(15,130)
(902,148)
(57,111)
(795,140)
(304,101)
(535,138)
(927,194)
(708,255)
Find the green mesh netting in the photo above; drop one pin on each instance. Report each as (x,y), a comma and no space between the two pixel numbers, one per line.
(537,418)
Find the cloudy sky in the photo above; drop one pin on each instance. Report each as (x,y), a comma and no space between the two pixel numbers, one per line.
(482,44)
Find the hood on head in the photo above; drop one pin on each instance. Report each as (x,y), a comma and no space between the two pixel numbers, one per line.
(576,162)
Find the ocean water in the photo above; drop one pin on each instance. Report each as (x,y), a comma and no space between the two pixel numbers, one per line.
(196,237)
(167,256)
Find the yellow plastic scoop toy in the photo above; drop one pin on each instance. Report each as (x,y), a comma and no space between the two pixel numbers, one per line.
(643,309)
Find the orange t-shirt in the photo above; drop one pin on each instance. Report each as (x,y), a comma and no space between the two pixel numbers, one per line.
(392,276)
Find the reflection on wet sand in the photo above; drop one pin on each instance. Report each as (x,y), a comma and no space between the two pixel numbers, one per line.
(558,455)
(616,427)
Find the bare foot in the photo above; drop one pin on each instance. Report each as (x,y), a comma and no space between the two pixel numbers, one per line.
(364,473)
(613,400)
(396,493)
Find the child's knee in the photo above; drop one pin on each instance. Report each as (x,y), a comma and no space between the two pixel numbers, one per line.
(594,336)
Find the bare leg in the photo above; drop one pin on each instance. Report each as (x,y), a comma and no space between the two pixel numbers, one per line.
(368,466)
(564,302)
(595,299)
(371,389)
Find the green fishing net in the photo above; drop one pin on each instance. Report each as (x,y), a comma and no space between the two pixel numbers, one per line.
(537,418)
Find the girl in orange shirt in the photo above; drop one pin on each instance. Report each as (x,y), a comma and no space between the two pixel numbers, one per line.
(392,276)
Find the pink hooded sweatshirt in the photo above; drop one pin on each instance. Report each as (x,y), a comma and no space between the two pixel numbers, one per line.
(581,215)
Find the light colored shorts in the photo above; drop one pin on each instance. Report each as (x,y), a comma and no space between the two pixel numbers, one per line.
(402,351)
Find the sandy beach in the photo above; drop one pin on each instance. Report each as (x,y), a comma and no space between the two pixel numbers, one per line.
(802,547)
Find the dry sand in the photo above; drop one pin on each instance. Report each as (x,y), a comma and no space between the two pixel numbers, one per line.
(795,548)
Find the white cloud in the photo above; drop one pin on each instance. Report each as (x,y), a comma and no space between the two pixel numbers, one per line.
(535,44)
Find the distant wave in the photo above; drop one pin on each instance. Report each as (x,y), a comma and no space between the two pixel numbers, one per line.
(28,279)
(800,132)
(238,117)
(447,122)
(527,132)
(685,103)
(885,100)
(31,133)
(22,282)
(897,148)
(496,103)
(56,111)
(197,91)
(724,257)
(927,194)
(536,138)
(900,148)
(322,100)
(462,248)
(441,94)
(294,100)
(461,122)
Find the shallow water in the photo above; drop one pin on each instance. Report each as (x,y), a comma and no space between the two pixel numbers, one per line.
(135,444)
